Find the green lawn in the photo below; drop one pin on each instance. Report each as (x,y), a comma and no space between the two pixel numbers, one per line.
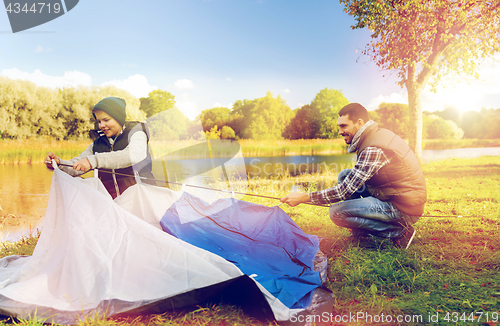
(449,275)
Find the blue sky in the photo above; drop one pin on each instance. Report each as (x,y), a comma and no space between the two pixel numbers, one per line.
(213,53)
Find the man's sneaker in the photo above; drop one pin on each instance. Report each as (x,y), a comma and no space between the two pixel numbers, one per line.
(362,239)
(366,242)
(405,240)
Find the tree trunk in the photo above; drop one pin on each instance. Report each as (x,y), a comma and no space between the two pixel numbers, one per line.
(416,121)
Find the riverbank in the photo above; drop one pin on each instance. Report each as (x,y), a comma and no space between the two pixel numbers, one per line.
(33,151)
(453,265)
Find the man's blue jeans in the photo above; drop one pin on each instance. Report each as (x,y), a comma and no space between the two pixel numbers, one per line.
(364,213)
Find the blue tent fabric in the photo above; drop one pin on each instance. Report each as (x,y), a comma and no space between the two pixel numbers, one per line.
(260,240)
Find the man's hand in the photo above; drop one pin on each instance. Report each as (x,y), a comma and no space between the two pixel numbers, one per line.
(82,165)
(295,198)
(48,160)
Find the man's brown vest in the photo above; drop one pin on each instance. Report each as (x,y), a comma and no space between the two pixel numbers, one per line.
(401,181)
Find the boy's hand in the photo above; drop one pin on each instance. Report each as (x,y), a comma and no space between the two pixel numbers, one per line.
(82,165)
(48,160)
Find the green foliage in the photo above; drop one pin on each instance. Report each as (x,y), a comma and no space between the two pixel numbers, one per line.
(483,124)
(227,133)
(77,104)
(436,37)
(437,128)
(215,116)
(266,118)
(395,117)
(25,246)
(319,119)
(31,321)
(27,110)
(156,102)
(422,41)
(328,103)
(304,124)
(214,133)
(447,124)
(261,118)
(170,124)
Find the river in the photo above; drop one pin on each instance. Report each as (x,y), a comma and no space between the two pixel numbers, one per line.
(24,189)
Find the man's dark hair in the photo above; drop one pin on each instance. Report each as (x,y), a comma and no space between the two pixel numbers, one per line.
(355,111)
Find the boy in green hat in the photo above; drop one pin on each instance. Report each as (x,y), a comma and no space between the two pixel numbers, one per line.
(120,149)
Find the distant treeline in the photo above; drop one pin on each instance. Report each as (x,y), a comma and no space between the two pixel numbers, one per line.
(319,120)
(27,111)
(450,123)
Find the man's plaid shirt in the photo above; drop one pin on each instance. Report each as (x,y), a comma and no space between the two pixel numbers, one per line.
(369,161)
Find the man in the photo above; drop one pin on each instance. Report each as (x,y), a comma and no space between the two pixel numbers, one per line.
(383,194)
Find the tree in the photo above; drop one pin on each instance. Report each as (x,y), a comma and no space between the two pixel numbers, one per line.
(424,40)
(213,133)
(327,104)
(156,102)
(395,117)
(227,133)
(487,127)
(219,116)
(438,128)
(319,119)
(262,118)
(76,113)
(170,124)
(303,125)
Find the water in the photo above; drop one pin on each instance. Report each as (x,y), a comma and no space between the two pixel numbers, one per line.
(432,155)
(24,189)
(24,193)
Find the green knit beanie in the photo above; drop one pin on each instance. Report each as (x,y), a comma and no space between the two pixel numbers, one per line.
(114,106)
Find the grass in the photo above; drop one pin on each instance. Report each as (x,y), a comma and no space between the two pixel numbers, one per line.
(33,151)
(459,143)
(252,147)
(453,266)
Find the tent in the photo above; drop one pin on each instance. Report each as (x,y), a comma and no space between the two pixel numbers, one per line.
(96,256)
(261,241)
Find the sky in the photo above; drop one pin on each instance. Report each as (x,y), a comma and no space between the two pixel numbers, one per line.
(211,53)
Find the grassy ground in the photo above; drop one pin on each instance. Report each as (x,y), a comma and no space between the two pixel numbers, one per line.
(450,274)
(33,151)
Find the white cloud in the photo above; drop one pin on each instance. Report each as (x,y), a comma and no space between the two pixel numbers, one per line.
(400,97)
(137,85)
(187,106)
(69,79)
(184,84)
(229,79)
(219,105)
(286,91)
(130,65)
(42,49)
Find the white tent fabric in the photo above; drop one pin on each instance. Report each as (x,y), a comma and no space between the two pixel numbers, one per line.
(98,256)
